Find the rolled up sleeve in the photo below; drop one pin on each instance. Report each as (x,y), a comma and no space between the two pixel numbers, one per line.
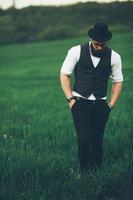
(116,71)
(70,60)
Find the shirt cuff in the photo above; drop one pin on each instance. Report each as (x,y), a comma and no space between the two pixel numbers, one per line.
(117,81)
(66,73)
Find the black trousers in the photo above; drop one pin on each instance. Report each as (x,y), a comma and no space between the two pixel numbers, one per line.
(90,118)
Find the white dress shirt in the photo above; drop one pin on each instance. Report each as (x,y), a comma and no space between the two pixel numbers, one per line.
(73,57)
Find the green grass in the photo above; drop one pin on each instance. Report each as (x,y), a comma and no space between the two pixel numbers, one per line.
(38,144)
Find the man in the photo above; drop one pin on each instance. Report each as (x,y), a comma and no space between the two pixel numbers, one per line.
(92,63)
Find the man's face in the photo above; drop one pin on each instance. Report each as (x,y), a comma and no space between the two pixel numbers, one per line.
(98,46)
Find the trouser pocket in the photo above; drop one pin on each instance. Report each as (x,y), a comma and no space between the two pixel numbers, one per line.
(109,109)
(73,106)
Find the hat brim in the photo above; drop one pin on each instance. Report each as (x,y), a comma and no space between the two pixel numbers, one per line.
(99,38)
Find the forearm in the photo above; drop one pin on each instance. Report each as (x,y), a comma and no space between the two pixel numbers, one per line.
(115,93)
(66,85)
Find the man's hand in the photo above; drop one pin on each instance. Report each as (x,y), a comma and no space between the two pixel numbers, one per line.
(116,90)
(72,102)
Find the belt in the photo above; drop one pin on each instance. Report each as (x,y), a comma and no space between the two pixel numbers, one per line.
(88,100)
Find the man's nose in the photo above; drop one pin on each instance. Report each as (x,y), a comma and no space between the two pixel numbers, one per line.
(99,48)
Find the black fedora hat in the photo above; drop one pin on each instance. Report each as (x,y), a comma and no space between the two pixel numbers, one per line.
(100,32)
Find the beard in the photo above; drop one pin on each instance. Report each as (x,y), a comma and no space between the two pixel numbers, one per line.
(97,53)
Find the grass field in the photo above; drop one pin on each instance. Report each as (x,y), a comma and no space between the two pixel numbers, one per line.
(38,144)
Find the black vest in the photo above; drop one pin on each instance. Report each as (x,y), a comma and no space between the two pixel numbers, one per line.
(89,79)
